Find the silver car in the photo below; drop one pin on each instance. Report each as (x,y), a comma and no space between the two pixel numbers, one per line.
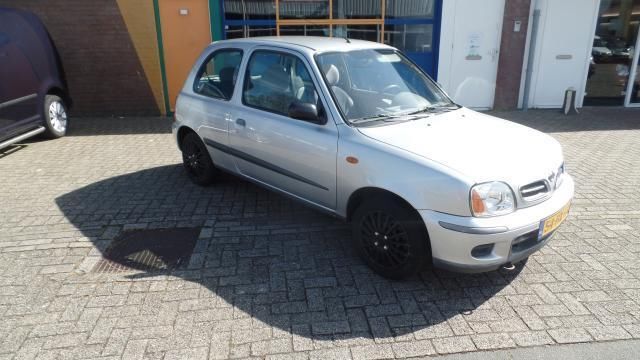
(355,129)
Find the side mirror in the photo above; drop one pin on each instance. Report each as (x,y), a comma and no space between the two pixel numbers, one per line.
(305,111)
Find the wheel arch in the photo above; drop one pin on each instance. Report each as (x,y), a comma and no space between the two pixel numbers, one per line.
(363,194)
(57,91)
(182,132)
(370,192)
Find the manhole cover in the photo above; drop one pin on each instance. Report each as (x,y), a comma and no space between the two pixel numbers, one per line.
(149,250)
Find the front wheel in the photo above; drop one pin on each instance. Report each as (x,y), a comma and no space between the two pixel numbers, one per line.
(391,238)
(196,160)
(55,117)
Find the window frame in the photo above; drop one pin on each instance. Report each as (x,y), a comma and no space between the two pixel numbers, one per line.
(206,61)
(322,113)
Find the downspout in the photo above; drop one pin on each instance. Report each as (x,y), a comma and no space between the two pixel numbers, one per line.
(531,58)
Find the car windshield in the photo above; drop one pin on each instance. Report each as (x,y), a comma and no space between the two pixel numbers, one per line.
(370,85)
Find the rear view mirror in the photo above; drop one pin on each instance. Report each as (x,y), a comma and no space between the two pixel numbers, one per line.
(305,111)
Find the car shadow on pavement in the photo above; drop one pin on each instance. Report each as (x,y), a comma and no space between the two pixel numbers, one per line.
(276,261)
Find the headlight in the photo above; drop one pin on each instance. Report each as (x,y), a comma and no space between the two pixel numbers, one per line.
(559,176)
(492,199)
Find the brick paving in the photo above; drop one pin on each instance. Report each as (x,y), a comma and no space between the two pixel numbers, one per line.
(272,279)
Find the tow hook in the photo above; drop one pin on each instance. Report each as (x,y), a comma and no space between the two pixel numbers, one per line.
(508,267)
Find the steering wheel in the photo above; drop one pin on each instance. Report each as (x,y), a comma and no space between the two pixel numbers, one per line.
(392,89)
(213,89)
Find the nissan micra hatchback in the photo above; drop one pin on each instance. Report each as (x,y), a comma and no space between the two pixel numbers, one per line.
(357,130)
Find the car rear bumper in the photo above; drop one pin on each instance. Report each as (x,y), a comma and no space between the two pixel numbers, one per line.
(497,241)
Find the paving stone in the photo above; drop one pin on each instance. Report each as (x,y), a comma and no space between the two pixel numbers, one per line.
(293,356)
(372,352)
(135,349)
(187,354)
(262,348)
(320,282)
(604,333)
(413,349)
(330,327)
(532,338)
(492,341)
(62,341)
(564,336)
(453,344)
(220,346)
(336,353)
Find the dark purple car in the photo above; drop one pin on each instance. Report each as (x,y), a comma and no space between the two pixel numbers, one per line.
(33,91)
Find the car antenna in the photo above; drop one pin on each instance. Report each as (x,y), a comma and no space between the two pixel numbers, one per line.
(347,40)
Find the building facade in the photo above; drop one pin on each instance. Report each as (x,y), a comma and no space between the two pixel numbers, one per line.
(130,57)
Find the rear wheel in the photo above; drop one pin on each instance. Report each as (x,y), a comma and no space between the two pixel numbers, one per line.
(196,160)
(55,117)
(390,237)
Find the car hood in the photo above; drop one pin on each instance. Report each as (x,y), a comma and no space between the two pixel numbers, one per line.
(482,147)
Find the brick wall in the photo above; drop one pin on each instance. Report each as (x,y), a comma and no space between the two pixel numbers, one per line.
(512,49)
(103,71)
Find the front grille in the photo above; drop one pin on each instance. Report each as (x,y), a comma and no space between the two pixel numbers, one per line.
(534,191)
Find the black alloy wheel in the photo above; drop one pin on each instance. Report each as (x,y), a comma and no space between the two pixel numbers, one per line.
(384,240)
(196,160)
(390,237)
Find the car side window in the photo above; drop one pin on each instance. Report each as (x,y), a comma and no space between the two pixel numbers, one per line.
(218,74)
(274,81)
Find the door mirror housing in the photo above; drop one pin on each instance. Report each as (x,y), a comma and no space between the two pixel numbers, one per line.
(305,111)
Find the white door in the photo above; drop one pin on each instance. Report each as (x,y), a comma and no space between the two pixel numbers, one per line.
(563,47)
(469,50)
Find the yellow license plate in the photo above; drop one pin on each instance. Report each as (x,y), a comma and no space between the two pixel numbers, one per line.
(548,225)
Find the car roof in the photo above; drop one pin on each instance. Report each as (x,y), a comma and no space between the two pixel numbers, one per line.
(314,43)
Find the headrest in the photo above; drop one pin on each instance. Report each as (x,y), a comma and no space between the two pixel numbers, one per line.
(332,74)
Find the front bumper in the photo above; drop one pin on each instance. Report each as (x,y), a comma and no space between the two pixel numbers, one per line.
(454,237)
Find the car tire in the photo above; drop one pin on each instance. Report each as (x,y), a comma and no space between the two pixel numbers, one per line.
(55,117)
(391,238)
(197,161)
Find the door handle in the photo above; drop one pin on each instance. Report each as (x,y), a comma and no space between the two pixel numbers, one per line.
(241,122)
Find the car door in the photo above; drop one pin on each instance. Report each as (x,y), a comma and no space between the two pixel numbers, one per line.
(294,156)
(19,82)
(213,89)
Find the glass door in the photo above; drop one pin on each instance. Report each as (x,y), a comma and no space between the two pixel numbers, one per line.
(633,86)
(611,79)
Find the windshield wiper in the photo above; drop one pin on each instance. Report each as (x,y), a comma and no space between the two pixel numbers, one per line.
(422,110)
(432,109)
(403,116)
(375,118)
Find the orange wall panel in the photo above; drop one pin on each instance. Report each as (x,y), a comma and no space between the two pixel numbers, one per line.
(184,36)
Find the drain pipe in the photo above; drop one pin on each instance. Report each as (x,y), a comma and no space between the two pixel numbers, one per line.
(532,51)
